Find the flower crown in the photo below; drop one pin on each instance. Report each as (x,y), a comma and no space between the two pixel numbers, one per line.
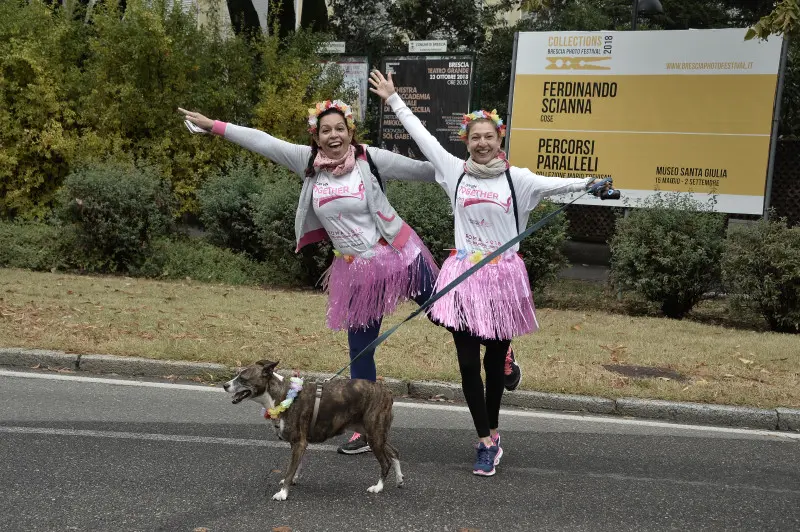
(321,107)
(475,115)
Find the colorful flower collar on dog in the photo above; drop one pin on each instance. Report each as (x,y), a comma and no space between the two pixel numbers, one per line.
(295,386)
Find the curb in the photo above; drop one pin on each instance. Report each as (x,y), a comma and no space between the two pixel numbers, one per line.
(782,419)
(130,366)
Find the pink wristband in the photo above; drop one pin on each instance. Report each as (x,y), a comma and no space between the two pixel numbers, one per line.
(219,128)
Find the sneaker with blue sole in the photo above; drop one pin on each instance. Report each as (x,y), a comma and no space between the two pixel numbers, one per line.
(484,462)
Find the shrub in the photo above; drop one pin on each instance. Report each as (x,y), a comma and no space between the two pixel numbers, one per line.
(542,251)
(33,246)
(179,258)
(274,215)
(669,252)
(227,207)
(761,270)
(114,212)
(425,207)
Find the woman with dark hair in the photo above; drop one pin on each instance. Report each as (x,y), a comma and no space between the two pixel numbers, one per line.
(379,261)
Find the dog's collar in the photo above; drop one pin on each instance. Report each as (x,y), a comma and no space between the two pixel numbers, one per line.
(295,387)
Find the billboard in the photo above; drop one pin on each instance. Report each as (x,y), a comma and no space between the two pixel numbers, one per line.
(684,111)
(356,77)
(438,90)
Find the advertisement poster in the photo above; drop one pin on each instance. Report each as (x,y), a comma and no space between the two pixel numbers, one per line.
(437,89)
(356,76)
(673,111)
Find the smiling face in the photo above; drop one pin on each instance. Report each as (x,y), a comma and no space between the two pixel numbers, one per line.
(483,142)
(333,136)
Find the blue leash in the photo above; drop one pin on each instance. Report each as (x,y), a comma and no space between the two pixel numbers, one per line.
(461,278)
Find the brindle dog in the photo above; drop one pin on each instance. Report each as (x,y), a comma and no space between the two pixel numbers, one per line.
(360,405)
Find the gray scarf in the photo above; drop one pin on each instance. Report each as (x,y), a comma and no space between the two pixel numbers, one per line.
(494,168)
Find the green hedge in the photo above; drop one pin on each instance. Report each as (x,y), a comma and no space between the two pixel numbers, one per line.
(181,258)
(669,252)
(33,246)
(761,271)
(113,213)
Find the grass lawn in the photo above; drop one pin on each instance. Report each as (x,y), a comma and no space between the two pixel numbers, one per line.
(583,330)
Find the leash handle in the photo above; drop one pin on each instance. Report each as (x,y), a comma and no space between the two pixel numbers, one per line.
(461,278)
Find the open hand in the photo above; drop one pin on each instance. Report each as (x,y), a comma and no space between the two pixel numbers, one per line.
(197,119)
(382,87)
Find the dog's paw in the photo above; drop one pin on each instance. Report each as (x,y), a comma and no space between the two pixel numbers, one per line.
(377,488)
(281,495)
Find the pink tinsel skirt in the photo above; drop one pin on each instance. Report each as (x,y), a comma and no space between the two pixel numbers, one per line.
(361,291)
(493,303)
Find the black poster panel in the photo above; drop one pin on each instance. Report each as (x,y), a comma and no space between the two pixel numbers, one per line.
(438,90)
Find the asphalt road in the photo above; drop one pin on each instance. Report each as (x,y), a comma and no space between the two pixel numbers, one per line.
(99,454)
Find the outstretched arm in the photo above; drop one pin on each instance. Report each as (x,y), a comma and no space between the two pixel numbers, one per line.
(444,162)
(533,187)
(292,156)
(395,166)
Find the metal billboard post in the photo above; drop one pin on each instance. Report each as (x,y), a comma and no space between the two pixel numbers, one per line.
(776,119)
(511,95)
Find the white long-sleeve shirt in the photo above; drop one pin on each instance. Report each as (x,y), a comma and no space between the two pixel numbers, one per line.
(483,210)
(338,201)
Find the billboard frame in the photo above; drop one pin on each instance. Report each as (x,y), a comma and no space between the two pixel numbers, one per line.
(776,118)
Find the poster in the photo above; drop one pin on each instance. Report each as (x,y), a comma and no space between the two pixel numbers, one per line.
(438,90)
(356,76)
(673,111)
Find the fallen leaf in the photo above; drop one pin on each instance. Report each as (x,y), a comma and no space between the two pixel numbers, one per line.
(729,376)
(281,529)
(200,529)
(745,361)
(576,327)
(685,389)
(664,378)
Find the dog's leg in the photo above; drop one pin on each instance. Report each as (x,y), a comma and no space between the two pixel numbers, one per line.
(299,470)
(394,456)
(378,445)
(298,449)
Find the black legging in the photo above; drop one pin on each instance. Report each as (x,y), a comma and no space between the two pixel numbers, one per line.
(485,410)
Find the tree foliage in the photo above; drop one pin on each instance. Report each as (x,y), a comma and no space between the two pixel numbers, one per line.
(76,89)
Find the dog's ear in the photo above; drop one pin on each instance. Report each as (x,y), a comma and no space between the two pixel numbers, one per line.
(268,368)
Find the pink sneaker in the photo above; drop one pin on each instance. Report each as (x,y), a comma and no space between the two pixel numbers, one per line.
(356,445)
(496,441)
(513,373)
